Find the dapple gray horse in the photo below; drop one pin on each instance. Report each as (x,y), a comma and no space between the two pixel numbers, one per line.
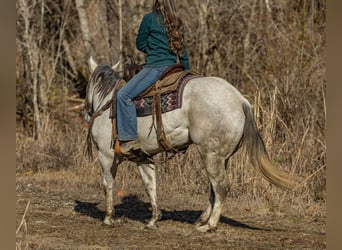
(214,116)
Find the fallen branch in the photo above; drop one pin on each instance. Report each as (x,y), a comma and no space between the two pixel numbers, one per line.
(23,219)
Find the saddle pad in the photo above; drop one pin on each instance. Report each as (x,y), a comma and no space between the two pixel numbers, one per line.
(169,101)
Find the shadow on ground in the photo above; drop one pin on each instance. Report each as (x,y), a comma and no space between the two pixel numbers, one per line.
(131,207)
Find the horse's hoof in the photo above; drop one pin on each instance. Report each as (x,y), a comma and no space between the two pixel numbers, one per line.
(108,222)
(151,226)
(199,224)
(206,229)
(114,223)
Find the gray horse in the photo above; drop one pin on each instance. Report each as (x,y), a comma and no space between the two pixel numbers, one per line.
(214,116)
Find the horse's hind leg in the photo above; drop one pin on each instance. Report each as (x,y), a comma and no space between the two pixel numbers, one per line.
(203,219)
(215,166)
(148,175)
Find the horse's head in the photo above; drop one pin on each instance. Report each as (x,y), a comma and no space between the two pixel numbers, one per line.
(101,82)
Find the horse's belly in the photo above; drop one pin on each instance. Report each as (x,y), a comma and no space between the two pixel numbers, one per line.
(179,136)
(175,126)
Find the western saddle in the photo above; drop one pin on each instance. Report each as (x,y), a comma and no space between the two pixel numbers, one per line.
(168,82)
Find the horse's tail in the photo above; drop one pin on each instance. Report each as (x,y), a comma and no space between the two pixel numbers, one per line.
(258,155)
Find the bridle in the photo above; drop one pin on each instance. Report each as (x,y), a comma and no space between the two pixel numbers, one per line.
(88,109)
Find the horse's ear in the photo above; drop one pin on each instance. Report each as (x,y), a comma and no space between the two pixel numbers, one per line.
(116,66)
(92,64)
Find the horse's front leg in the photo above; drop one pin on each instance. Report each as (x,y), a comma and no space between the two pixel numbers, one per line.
(109,169)
(148,175)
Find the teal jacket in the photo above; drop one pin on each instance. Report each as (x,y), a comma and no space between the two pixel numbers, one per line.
(153,41)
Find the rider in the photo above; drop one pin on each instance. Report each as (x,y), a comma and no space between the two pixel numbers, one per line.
(161,38)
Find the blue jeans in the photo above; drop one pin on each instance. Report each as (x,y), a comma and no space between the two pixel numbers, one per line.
(126,112)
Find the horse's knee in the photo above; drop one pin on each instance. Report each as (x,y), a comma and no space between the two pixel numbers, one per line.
(107,180)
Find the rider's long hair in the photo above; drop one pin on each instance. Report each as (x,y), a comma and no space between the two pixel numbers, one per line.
(173,24)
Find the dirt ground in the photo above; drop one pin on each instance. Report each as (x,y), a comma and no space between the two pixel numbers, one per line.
(61,216)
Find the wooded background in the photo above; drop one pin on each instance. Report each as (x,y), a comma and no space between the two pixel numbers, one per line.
(273,51)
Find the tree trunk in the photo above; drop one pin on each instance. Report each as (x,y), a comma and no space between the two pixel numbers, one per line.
(120,36)
(94,26)
(82,15)
(34,62)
